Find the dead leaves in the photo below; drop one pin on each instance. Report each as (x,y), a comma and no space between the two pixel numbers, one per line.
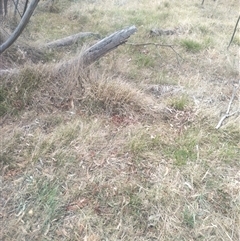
(179,119)
(79,204)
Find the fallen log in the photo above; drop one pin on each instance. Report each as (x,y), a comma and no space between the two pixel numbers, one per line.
(104,46)
(93,53)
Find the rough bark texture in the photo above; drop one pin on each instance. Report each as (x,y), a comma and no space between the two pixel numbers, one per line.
(104,46)
(20,27)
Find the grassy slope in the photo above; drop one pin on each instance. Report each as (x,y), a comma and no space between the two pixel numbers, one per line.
(112,161)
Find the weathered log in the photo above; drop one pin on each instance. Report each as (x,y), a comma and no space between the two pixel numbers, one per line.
(93,53)
(70,39)
(104,46)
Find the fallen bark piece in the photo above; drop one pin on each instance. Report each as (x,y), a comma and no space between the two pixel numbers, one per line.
(70,39)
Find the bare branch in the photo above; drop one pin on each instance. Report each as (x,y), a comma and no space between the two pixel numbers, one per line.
(234,31)
(20,27)
(228,109)
(157,44)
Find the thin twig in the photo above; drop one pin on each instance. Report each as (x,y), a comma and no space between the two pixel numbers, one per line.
(231,100)
(150,43)
(225,117)
(235,29)
(157,44)
(228,109)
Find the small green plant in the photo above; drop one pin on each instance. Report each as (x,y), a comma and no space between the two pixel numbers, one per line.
(143,142)
(166,4)
(143,60)
(236,41)
(3,109)
(188,218)
(191,45)
(19,95)
(183,150)
(204,30)
(180,103)
(182,155)
(3,106)
(46,201)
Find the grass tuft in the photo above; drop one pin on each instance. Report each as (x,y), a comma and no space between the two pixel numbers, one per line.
(180,103)
(191,45)
(125,149)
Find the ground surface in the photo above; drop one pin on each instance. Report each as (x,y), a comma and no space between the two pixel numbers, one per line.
(126,149)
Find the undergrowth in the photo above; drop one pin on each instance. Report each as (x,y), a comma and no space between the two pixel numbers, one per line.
(127,148)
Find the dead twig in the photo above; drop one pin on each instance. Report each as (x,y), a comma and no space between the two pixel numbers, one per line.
(228,109)
(234,31)
(157,45)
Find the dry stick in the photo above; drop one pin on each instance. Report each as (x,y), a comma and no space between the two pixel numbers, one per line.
(235,29)
(157,44)
(228,109)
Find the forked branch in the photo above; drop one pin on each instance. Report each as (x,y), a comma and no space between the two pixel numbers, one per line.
(157,45)
(228,114)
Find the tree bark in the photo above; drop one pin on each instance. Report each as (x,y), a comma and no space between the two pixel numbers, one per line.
(104,46)
(5,6)
(17,32)
(1,7)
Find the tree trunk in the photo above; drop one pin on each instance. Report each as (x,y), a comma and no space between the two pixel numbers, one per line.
(5,7)
(1,7)
(17,32)
(25,7)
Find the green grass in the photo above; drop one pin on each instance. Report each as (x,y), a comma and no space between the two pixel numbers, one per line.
(143,142)
(236,40)
(41,204)
(121,163)
(188,218)
(16,95)
(191,45)
(3,105)
(183,150)
(143,60)
(180,103)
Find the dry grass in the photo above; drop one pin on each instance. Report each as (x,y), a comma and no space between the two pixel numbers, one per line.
(126,149)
